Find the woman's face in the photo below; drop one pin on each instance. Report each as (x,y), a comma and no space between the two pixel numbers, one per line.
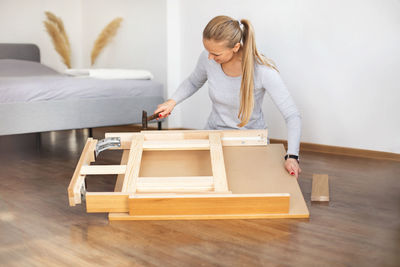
(218,51)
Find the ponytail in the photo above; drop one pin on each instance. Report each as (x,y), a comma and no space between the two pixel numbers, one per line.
(247,86)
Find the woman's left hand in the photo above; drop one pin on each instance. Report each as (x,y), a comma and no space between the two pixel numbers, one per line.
(292,166)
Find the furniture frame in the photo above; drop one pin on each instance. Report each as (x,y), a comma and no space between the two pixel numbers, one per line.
(175,197)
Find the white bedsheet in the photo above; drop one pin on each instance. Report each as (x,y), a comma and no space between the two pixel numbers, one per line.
(112,73)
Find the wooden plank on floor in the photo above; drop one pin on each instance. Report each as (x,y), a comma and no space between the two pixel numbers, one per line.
(216,204)
(320,187)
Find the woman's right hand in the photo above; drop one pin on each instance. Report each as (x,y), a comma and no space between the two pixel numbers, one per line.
(165,108)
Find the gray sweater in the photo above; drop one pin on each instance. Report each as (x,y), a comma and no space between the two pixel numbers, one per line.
(224,92)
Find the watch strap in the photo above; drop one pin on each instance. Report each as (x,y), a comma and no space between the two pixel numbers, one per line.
(290,156)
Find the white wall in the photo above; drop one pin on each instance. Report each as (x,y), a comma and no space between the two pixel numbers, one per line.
(21,21)
(141,41)
(339,59)
(174,77)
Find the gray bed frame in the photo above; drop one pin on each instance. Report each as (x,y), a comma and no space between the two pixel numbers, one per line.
(34,117)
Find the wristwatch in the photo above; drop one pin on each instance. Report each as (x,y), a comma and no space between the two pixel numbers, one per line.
(292,157)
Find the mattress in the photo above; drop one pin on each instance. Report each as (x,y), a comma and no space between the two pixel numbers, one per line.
(26,81)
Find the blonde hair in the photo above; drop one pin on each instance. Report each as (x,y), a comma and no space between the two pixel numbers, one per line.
(224,28)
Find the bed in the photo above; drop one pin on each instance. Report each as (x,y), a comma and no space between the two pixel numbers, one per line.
(35,98)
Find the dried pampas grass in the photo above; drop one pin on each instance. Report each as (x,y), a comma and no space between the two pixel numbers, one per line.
(105,37)
(51,17)
(55,28)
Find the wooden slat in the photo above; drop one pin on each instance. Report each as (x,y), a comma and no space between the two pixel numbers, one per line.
(229,138)
(202,204)
(224,204)
(120,177)
(77,198)
(256,137)
(118,201)
(204,180)
(77,180)
(124,216)
(217,163)
(133,166)
(175,184)
(174,189)
(195,144)
(320,187)
(103,169)
(261,134)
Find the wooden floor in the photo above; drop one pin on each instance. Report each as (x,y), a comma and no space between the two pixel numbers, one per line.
(359,227)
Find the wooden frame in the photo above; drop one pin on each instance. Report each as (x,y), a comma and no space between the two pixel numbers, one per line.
(184,197)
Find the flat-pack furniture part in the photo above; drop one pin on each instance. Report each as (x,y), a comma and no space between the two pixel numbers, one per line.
(320,187)
(199,175)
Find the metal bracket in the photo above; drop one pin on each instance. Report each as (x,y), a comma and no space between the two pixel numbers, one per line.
(83,192)
(107,143)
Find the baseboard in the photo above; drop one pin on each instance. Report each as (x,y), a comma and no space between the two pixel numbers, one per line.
(355,152)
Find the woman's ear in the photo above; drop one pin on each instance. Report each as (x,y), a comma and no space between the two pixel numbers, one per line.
(236,47)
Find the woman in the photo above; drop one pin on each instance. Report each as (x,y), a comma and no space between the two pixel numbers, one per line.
(238,77)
